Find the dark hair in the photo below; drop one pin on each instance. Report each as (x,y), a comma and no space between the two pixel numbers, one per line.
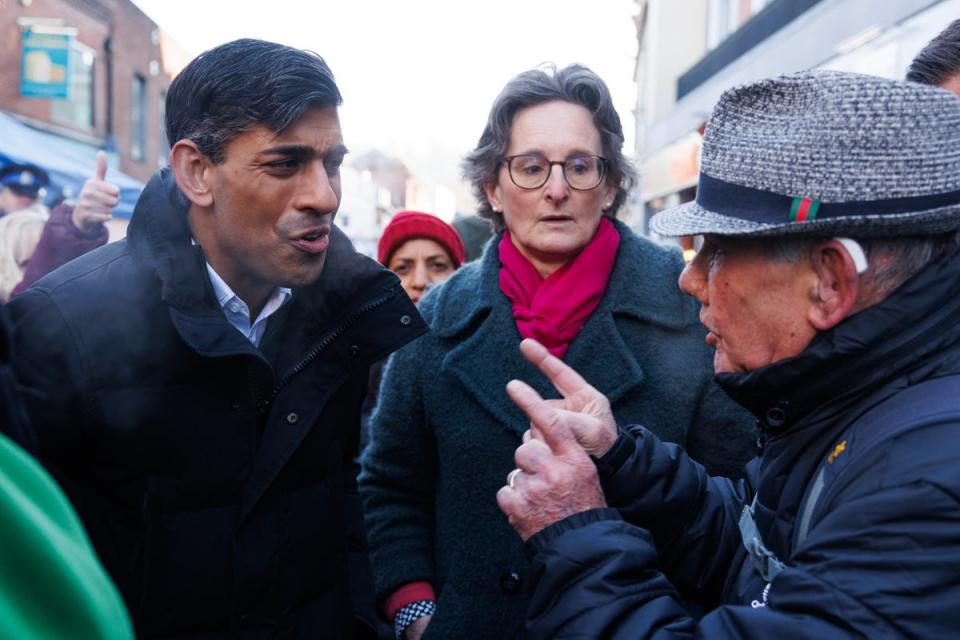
(939,60)
(228,89)
(576,84)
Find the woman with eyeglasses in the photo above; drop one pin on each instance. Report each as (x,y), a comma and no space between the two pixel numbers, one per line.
(550,173)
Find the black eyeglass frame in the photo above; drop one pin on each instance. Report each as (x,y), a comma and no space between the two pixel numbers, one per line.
(602,163)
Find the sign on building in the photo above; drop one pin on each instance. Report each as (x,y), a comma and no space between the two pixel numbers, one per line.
(45,63)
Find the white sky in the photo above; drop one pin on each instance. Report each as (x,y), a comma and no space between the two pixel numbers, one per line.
(418,76)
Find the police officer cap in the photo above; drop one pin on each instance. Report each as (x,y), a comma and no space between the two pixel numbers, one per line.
(24,179)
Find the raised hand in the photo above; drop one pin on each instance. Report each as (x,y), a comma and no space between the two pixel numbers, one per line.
(97,198)
(555,477)
(593,424)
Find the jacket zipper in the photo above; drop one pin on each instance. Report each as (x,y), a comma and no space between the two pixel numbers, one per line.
(325,342)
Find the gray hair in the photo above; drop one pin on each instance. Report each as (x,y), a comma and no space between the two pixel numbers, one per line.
(892,261)
(575,84)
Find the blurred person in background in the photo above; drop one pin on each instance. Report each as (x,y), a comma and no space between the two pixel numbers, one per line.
(550,173)
(22,218)
(938,63)
(36,244)
(20,186)
(421,249)
(475,231)
(196,387)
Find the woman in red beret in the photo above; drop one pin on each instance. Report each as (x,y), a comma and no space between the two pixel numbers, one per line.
(420,248)
(423,251)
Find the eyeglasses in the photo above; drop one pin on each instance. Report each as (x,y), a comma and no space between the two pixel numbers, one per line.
(532,170)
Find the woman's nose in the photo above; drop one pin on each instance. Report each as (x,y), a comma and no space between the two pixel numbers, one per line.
(556,185)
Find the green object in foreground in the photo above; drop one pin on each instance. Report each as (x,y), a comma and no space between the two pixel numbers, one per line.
(51,582)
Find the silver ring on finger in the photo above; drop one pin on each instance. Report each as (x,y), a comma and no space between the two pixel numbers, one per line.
(511,478)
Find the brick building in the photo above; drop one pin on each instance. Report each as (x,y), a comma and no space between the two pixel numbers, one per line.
(121,66)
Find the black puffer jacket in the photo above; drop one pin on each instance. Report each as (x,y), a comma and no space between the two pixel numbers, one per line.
(881,556)
(216,479)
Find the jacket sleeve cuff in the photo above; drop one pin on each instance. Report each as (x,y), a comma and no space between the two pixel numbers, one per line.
(63,214)
(542,539)
(408,594)
(623,447)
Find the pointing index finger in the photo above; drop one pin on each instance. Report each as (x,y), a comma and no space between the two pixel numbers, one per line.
(552,429)
(565,379)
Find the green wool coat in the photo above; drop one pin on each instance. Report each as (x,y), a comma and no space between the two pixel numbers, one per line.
(444,433)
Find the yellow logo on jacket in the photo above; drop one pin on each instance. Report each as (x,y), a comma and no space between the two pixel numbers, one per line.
(837,450)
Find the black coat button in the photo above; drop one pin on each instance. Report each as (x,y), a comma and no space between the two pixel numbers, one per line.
(405,320)
(292,417)
(510,582)
(354,350)
(777,416)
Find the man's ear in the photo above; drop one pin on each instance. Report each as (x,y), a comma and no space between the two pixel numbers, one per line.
(837,285)
(190,168)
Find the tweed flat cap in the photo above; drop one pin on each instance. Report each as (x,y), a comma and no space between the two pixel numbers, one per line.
(826,153)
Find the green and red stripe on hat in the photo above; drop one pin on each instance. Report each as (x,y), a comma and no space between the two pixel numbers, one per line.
(804,209)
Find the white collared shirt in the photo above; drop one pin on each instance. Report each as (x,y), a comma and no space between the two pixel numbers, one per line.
(237,311)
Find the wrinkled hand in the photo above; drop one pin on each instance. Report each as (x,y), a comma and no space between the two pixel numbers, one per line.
(96,200)
(588,410)
(416,628)
(557,478)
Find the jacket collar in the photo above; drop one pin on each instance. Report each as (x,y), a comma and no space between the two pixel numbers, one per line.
(160,237)
(914,332)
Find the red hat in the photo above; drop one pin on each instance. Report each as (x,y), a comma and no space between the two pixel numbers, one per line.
(414,224)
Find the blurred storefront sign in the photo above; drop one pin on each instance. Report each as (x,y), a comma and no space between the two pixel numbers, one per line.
(46,61)
(670,176)
(673,168)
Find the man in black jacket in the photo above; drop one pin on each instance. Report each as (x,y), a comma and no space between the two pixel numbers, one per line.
(829,205)
(196,388)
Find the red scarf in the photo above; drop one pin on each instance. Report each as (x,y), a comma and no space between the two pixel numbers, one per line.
(553,310)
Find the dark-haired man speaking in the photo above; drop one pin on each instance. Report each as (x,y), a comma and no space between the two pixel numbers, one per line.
(197,387)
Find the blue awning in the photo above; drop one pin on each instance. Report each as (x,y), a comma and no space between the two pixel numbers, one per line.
(68,168)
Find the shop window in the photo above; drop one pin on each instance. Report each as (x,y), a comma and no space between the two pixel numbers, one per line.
(163,148)
(721,20)
(138,118)
(77,110)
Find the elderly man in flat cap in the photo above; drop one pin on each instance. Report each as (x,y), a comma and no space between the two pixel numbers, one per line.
(829,278)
